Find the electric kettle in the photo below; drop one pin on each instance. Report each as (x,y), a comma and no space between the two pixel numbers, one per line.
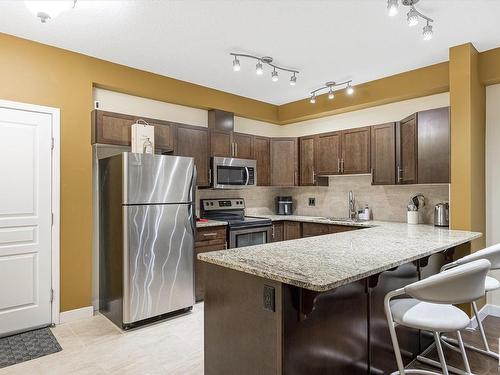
(442,215)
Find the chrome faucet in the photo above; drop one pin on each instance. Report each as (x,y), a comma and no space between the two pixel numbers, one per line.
(352,208)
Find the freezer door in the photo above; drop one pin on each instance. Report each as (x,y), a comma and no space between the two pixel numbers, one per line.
(158,260)
(157,178)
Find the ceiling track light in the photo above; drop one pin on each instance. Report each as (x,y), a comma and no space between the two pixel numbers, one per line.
(413,16)
(331,87)
(259,66)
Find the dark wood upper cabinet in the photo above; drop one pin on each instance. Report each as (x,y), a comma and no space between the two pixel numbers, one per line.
(243,145)
(434,146)
(383,154)
(262,154)
(193,141)
(221,143)
(221,120)
(307,160)
(284,162)
(406,150)
(116,128)
(356,151)
(329,153)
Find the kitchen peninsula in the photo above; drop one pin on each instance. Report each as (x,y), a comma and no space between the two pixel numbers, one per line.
(315,305)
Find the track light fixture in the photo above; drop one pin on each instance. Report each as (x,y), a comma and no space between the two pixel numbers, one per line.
(413,16)
(330,86)
(259,66)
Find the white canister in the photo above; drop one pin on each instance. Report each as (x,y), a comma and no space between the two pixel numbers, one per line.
(412,217)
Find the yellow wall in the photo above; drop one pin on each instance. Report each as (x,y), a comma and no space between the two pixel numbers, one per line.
(468,124)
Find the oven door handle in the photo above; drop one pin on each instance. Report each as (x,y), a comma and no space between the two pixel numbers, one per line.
(248,176)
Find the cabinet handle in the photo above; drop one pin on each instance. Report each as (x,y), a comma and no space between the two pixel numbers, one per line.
(210,177)
(225,245)
(314,177)
(338,165)
(209,234)
(372,172)
(272,234)
(235,149)
(342,163)
(400,174)
(295,178)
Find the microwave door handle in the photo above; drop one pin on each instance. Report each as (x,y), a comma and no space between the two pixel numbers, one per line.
(248,175)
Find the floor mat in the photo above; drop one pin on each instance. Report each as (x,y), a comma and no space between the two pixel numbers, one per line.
(27,345)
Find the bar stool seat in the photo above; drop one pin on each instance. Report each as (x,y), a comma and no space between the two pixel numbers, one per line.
(428,316)
(491,284)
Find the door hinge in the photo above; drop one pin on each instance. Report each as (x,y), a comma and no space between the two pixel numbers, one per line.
(52,143)
(51,295)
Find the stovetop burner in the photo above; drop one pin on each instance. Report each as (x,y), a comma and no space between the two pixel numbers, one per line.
(231,210)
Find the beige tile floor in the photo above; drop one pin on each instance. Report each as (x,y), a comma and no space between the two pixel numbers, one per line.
(96,346)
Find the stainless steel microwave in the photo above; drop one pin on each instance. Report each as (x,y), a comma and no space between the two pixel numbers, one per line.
(232,173)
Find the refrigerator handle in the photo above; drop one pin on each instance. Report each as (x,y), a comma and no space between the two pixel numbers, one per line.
(193,201)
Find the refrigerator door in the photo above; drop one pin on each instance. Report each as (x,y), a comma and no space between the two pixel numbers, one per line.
(158,260)
(153,179)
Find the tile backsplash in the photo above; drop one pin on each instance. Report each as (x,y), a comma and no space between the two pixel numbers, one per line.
(388,203)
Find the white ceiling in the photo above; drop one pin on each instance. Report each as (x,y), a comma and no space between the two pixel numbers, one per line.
(325,40)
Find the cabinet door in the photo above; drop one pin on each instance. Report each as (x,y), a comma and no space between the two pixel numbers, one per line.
(383,154)
(283,162)
(356,151)
(314,229)
(434,146)
(277,231)
(406,151)
(261,149)
(243,145)
(291,230)
(164,138)
(111,128)
(193,141)
(306,165)
(199,269)
(221,143)
(329,153)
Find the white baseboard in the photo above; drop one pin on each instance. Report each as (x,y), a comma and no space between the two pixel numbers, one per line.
(488,309)
(72,315)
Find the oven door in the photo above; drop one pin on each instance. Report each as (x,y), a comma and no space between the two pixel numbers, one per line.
(232,173)
(249,236)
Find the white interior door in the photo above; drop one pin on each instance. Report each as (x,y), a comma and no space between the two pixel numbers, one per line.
(25,219)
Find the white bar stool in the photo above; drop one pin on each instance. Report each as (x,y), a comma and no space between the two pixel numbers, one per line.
(431,308)
(492,254)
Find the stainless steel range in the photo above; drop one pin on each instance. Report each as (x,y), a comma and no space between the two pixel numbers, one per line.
(242,230)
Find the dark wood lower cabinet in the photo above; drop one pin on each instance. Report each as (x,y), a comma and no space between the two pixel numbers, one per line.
(207,239)
(342,331)
(277,231)
(291,230)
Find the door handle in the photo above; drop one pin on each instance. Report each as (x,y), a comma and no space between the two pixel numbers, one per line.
(248,176)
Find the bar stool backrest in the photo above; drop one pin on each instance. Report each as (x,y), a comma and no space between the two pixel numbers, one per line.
(461,284)
(491,253)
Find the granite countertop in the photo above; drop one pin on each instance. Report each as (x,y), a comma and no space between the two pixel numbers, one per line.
(325,262)
(210,223)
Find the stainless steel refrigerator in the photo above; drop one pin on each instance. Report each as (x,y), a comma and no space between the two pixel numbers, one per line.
(146,236)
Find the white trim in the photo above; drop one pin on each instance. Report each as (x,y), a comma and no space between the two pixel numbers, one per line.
(76,314)
(55,190)
(486,310)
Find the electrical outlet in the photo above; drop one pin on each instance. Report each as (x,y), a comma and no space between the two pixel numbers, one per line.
(312,202)
(269,296)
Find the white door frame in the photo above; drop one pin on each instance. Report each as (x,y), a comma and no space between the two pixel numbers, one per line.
(55,204)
